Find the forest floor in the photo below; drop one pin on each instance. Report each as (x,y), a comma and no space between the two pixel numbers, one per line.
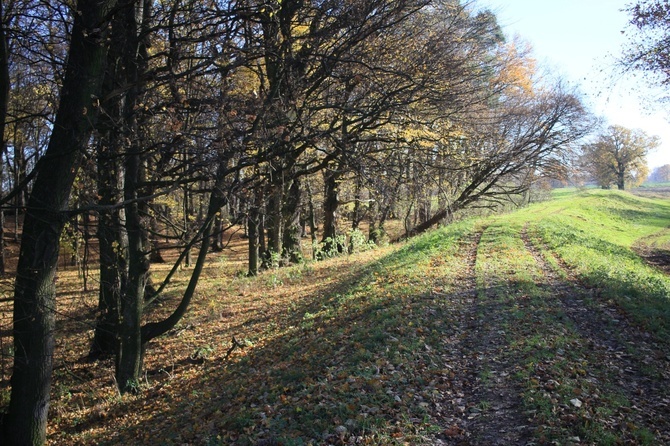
(544,326)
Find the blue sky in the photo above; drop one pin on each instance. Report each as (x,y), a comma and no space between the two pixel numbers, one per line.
(580,39)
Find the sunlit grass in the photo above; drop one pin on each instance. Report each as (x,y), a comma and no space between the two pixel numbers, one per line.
(595,233)
(592,234)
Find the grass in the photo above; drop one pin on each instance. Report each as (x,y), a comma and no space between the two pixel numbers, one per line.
(378,347)
(592,235)
(596,241)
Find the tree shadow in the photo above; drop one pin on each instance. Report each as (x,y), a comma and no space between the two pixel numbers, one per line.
(345,356)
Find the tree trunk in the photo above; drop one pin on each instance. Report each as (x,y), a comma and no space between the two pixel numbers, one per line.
(129,356)
(112,238)
(292,249)
(4,101)
(373,232)
(34,295)
(253,223)
(155,255)
(311,219)
(262,244)
(216,201)
(358,214)
(187,214)
(217,237)
(330,205)
(113,248)
(274,221)
(423,227)
(134,337)
(133,296)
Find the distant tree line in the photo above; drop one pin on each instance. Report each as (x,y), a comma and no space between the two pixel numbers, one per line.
(168,122)
(660,174)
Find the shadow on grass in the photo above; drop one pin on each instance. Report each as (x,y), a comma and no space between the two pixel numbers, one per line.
(353,362)
(643,295)
(631,208)
(619,274)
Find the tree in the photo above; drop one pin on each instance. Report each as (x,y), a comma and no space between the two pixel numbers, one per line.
(618,156)
(158,159)
(4,100)
(391,111)
(660,174)
(649,50)
(46,215)
(245,104)
(487,147)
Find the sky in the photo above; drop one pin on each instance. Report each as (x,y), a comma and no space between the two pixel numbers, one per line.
(579,40)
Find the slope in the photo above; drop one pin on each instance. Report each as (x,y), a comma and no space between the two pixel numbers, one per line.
(539,326)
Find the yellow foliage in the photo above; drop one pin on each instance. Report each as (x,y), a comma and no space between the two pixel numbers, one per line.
(519,68)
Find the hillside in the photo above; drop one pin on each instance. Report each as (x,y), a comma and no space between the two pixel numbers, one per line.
(542,325)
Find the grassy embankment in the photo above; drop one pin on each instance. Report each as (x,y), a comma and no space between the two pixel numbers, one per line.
(379,345)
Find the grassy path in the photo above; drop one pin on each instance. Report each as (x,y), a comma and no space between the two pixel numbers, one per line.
(554,358)
(493,412)
(537,327)
(624,366)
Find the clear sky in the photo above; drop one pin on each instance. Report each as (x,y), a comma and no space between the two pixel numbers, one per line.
(580,40)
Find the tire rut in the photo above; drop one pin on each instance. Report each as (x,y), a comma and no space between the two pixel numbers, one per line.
(628,357)
(486,400)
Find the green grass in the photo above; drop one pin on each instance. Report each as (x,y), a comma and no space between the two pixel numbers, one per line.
(592,233)
(655,185)
(365,355)
(595,232)
(363,347)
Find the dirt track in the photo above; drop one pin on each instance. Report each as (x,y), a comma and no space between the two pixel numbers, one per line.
(611,357)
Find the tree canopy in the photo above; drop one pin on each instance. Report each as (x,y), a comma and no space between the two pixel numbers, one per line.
(618,156)
(649,48)
(660,174)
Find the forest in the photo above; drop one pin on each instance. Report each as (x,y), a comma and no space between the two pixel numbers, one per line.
(141,140)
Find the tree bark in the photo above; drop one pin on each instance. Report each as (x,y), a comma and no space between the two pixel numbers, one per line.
(621,176)
(4,101)
(423,227)
(34,295)
(129,356)
(330,205)
(358,214)
(129,352)
(274,221)
(374,233)
(311,219)
(113,248)
(112,238)
(292,249)
(254,223)
(217,237)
